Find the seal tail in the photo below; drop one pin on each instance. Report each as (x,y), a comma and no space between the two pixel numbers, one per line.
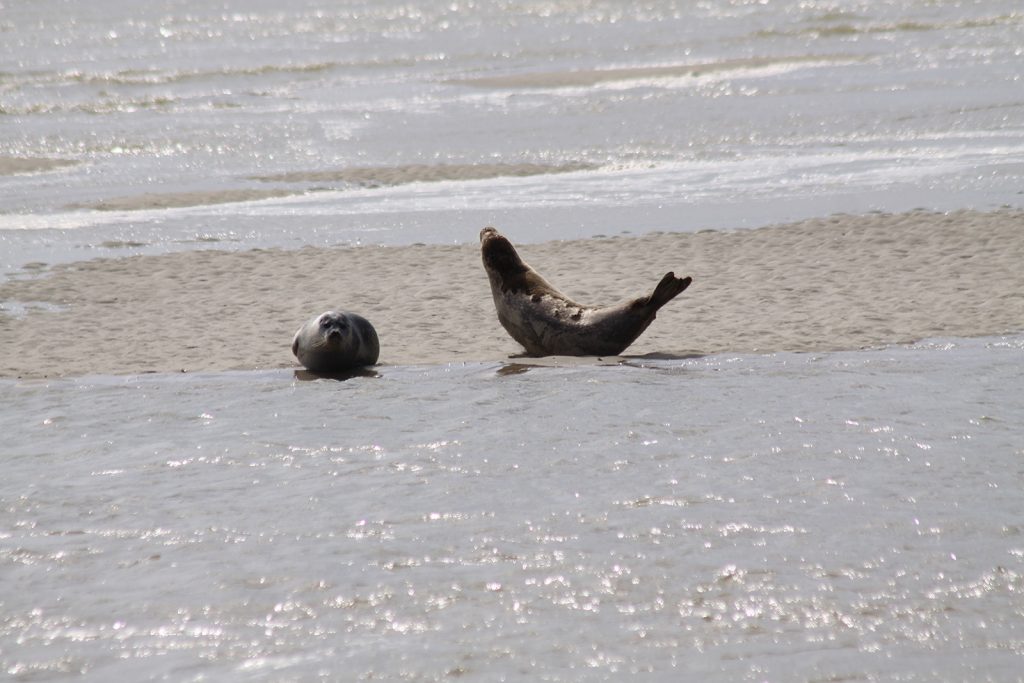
(669,287)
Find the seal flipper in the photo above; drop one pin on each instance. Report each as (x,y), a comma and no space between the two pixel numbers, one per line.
(669,288)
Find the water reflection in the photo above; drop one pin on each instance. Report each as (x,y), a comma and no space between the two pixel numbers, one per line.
(304,375)
(524,363)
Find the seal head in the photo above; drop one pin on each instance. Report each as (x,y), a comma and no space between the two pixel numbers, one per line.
(335,342)
(547,322)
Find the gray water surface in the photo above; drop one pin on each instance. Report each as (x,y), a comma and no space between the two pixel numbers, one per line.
(844,516)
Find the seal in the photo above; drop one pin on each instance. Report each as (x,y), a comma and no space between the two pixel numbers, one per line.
(548,323)
(335,342)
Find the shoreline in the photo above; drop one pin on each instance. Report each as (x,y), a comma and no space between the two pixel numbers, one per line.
(839,283)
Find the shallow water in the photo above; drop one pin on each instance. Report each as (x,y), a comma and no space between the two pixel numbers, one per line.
(847,516)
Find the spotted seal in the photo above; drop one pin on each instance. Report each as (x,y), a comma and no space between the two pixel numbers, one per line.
(334,342)
(548,323)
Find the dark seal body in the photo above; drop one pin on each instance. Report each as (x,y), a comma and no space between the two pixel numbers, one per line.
(548,323)
(335,342)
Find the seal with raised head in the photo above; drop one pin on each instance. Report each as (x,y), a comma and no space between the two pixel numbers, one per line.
(548,323)
(335,342)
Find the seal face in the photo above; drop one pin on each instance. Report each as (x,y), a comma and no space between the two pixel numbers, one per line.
(548,323)
(336,341)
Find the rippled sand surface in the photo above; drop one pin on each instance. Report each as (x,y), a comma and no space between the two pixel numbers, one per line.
(843,283)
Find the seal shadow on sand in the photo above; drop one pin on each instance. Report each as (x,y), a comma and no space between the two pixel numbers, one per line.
(524,362)
(304,375)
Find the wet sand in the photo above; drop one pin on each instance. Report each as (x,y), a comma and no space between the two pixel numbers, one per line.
(19,165)
(301,182)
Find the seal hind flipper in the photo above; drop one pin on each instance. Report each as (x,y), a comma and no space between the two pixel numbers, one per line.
(669,288)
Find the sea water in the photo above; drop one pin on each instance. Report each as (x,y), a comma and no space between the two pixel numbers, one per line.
(790,517)
(786,517)
(682,116)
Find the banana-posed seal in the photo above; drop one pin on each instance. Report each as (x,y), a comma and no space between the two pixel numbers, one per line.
(334,342)
(548,323)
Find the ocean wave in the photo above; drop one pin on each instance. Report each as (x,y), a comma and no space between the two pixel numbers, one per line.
(592,77)
(177,200)
(104,105)
(154,76)
(360,177)
(387,176)
(844,25)
(38,92)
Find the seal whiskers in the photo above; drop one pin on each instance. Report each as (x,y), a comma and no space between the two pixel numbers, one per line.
(547,322)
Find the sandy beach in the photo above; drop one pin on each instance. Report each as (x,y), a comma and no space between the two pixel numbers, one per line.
(844,282)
